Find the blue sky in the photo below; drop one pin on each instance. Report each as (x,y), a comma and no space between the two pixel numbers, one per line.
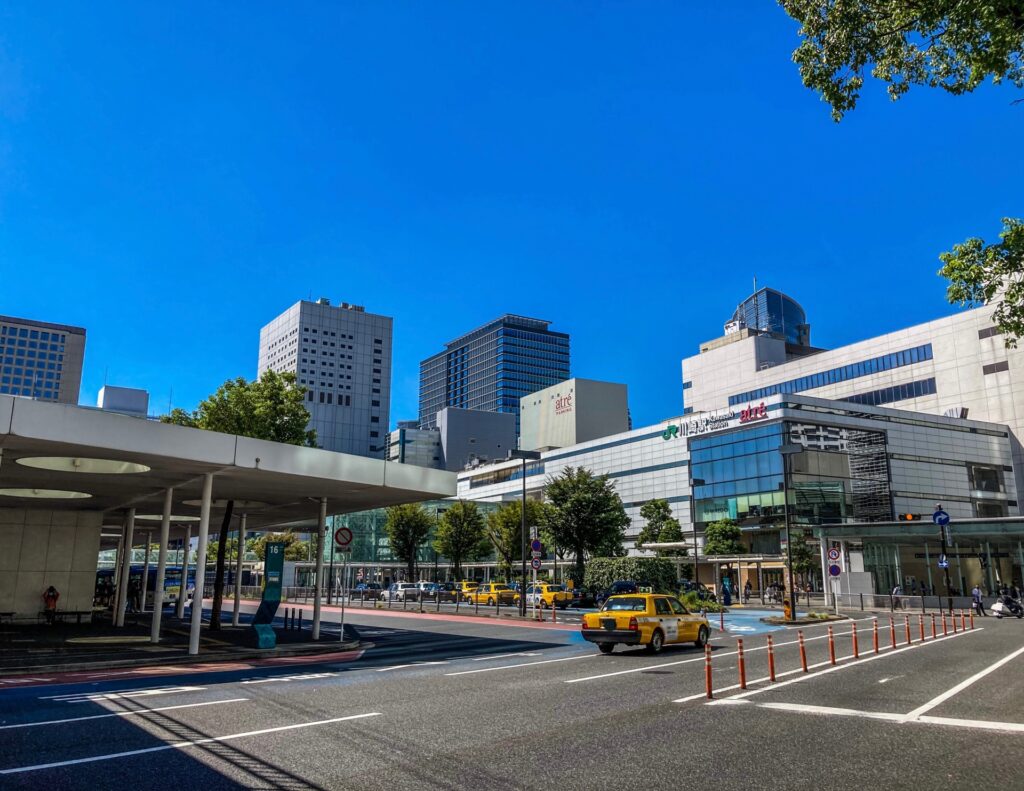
(172,176)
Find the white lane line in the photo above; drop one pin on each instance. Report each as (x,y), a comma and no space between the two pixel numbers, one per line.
(806,709)
(82,697)
(931,704)
(800,708)
(411,664)
(131,713)
(503,656)
(301,677)
(181,745)
(986,725)
(22,680)
(521,664)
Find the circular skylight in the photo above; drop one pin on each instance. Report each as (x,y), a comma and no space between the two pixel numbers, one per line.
(44,494)
(75,464)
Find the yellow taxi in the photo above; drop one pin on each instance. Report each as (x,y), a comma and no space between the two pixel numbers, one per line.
(492,593)
(648,619)
(546,595)
(466,587)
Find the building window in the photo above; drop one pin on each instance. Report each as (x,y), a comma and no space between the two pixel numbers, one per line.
(888,395)
(988,332)
(375,403)
(994,368)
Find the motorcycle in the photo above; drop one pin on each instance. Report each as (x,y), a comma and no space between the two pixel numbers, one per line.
(1007,606)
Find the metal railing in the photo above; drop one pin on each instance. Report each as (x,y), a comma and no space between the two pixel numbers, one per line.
(900,603)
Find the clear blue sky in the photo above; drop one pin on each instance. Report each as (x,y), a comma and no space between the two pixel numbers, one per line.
(172,176)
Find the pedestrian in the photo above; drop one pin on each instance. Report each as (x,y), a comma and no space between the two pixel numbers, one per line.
(134,589)
(746,592)
(979,605)
(50,598)
(913,588)
(897,591)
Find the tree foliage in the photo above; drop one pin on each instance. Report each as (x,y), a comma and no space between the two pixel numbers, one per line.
(723,537)
(659,573)
(803,557)
(984,274)
(660,527)
(955,45)
(504,530)
(585,515)
(460,534)
(295,548)
(407,528)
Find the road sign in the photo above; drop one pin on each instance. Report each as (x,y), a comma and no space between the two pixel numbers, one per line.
(534,553)
(833,554)
(941,518)
(342,537)
(536,546)
(943,562)
(535,564)
(359,575)
(834,570)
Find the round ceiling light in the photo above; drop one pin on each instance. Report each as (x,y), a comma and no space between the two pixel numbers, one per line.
(75,464)
(44,494)
(159,517)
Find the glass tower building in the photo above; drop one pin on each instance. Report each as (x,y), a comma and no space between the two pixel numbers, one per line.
(492,367)
(768,310)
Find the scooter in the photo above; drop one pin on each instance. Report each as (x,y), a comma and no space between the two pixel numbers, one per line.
(1007,606)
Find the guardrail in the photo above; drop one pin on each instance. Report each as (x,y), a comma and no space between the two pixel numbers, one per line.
(900,603)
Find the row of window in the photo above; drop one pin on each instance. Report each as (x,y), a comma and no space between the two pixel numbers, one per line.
(888,395)
(35,335)
(885,362)
(21,357)
(28,391)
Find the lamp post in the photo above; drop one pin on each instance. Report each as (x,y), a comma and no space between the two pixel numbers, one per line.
(524,455)
(693,521)
(788,450)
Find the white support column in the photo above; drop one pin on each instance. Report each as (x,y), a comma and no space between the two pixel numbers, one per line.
(321,531)
(928,564)
(126,568)
(118,562)
(145,570)
(161,568)
(238,569)
(204,536)
(179,610)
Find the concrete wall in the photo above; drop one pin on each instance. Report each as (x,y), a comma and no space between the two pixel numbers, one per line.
(39,548)
(571,412)
(468,433)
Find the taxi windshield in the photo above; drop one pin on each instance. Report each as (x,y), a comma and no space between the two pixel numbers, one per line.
(624,603)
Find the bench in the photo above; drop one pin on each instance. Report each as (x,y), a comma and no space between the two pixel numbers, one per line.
(60,616)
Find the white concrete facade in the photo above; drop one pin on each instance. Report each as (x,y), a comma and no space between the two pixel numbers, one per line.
(342,356)
(570,412)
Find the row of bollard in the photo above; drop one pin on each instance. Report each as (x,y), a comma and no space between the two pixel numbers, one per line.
(292,618)
(965,619)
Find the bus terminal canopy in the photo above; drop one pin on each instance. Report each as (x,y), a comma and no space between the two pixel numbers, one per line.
(67,458)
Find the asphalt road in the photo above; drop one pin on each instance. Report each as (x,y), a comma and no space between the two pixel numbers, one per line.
(449,704)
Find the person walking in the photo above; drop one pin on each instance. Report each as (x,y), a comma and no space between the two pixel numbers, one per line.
(746,592)
(134,587)
(50,598)
(979,605)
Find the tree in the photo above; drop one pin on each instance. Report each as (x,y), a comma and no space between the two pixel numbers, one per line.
(955,46)
(723,538)
(660,527)
(460,534)
(407,527)
(504,530)
(981,274)
(803,558)
(295,548)
(585,514)
(271,407)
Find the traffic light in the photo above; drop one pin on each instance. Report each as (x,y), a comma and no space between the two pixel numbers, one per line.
(910,517)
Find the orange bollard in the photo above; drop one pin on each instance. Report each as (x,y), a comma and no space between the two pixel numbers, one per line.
(771,659)
(803,651)
(831,646)
(906,623)
(972,619)
(952,618)
(707,671)
(920,627)
(892,631)
(741,663)
(963,621)
(554,609)
(934,633)
(856,650)
(874,633)
(945,629)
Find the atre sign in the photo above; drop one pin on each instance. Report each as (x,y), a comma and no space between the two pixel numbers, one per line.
(563,404)
(751,413)
(699,425)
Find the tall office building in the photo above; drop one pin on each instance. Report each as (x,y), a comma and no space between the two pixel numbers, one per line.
(342,356)
(492,367)
(41,360)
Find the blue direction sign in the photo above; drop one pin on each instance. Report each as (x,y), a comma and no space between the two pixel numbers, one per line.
(834,570)
(941,518)
(943,562)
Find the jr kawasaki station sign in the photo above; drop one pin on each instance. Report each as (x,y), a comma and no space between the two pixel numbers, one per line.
(713,421)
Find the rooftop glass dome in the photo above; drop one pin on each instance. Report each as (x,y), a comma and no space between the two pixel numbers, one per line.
(769,310)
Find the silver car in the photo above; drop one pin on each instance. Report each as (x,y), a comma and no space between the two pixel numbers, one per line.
(400,591)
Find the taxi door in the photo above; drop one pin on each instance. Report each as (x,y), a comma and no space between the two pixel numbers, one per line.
(688,623)
(668,621)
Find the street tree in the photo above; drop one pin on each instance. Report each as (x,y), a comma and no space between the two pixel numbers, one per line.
(723,538)
(585,515)
(407,528)
(295,548)
(947,44)
(661,527)
(271,407)
(803,557)
(460,534)
(504,531)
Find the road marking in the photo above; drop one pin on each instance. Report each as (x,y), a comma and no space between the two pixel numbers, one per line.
(83,697)
(503,656)
(521,664)
(988,725)
(806,709)
(182,745)
(22,680)
(931,704)
(120,714)
(300,677)
(411,664)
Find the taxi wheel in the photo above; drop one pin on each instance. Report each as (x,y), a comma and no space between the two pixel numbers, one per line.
(606,648)
(543,604)
(657,641)
(490,602)
(702,637)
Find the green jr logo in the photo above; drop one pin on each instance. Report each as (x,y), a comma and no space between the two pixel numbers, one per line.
(671,432)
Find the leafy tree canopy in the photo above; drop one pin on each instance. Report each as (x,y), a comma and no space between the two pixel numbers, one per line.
(460,534)
(407,528)
(660,527)
(504,530)
(659,573)
(295,548)
(955,45)
(723,537)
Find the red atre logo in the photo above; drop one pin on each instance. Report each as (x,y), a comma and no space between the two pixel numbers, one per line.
(563,404)
(758,412)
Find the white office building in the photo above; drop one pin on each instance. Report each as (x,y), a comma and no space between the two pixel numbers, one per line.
(342,356)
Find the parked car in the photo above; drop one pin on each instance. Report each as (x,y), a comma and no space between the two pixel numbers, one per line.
(449,591)
(547,595)
(367,590)
(429,591)
(645,619)
(466,587)
(400,591)
(493,593)
(703,592)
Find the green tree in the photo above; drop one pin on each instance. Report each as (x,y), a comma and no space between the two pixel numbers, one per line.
(723,538)
(985,274)
(460,534)
(803,558)
(295,548)
(955,45)
(585,514)
(271,407)
(504,531)
(659,573)
(407,528)
(660,527)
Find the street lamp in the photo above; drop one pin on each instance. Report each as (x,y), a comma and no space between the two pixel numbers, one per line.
(788,450)
(693,521)
(525,456)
